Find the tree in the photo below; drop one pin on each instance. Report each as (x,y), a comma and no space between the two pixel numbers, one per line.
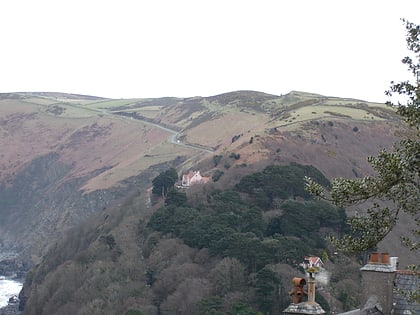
(164,182)
(210,306)
(243,309)
(186,299)
(227,275)
(266,290)
(176,198)
(397,172)
(279,182)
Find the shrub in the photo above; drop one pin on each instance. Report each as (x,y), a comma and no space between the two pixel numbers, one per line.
(216,159)
(236,137)
(217,174)
(109,240)
(235,156)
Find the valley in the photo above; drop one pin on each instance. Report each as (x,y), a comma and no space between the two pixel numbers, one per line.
(76,175)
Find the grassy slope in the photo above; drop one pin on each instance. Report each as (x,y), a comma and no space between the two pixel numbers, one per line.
(332,133)
(85,131)
(302,127)
(84,136)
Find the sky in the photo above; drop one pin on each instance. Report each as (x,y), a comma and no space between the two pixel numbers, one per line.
(185,48)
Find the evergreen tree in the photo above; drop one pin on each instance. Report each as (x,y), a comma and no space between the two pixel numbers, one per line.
(164,182)
(398,172)
(266,290)
(176,198)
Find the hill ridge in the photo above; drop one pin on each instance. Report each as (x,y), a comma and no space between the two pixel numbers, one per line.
(106,143)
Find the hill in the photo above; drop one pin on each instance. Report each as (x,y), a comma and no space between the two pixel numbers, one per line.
(72,160)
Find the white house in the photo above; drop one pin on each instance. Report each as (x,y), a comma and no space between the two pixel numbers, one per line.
(193,177)
(312,261)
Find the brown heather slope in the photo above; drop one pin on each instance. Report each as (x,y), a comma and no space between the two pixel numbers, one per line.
(61,162)
(68,156)
(87,140)
(87,162)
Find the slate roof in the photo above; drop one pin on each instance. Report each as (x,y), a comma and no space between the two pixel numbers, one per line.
(375,310)
(372,311)
(406,281)
(305,308)
(372,307)
(353,312)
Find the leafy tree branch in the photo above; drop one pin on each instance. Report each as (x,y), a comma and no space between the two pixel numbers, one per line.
(395,186)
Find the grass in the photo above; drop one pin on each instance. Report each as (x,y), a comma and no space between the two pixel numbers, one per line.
(147,111)
(109,104)
(205,122)
(77,112)
(302,108)
(40,100)
(160,154)
(151,108)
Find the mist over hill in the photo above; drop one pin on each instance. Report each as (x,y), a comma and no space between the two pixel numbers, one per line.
(76,173)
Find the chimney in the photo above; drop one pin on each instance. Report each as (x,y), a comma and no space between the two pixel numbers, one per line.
(373,258)
(311,288)
(377,280)
(385,258)
(298,293)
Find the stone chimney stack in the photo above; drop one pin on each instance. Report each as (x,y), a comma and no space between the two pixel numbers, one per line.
(311,288)
(377,280)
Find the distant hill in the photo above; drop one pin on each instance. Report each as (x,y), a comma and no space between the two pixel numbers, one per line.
(96,146)
(73,158)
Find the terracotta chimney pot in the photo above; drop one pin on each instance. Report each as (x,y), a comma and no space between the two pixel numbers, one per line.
(298,281)
(373,258)
(385,258)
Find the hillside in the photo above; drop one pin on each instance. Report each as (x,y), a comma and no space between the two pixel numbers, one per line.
(93,148)
(186,254)
(74,159)
(64,162)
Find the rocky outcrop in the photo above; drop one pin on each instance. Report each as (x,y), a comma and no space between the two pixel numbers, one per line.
(14,267)
(11,309)
(41,205)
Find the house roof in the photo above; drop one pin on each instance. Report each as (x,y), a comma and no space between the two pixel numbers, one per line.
(406,281)
(313,259)
(304,308)
(191,174)
(370,311)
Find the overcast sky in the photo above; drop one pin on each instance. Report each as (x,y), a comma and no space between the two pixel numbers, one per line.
(156,48)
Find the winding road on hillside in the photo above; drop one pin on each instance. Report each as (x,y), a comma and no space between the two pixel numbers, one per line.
(173,138)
